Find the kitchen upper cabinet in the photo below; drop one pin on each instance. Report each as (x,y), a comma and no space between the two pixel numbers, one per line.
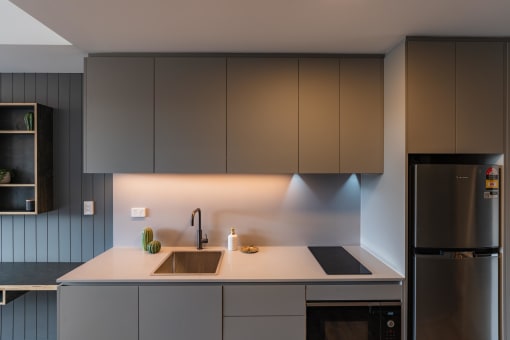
(455,97)
(480,97)
(430,97)
(119,114)
(190,115)
(341,118)
(180,312)
(262,115)
(169,114)
(98,312)
(361,115)
(319,115)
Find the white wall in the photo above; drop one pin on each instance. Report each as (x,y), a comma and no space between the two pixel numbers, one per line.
(383,197)
(265,209)
(40,59)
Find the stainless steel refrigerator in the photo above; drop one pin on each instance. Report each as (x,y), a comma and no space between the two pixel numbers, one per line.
(455,233)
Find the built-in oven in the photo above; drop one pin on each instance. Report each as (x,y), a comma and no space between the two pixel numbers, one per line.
(353,320)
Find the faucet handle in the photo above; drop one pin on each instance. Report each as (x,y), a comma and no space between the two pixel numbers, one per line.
(205,239)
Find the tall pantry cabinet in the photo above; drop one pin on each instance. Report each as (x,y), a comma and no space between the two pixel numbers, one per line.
(457,103)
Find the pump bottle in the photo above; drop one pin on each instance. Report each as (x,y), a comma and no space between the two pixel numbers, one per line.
(233,242)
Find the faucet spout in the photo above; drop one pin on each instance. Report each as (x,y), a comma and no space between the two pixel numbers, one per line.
(197,210)
(200,240)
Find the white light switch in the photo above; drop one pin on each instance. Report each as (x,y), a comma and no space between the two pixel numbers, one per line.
(138,212)
(88,207)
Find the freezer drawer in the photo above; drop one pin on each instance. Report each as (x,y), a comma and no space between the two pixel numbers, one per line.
(456,206)
(455,297)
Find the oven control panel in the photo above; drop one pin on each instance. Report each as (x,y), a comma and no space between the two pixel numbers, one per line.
(390,323)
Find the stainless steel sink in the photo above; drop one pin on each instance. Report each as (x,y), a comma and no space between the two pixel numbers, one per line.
(191,262)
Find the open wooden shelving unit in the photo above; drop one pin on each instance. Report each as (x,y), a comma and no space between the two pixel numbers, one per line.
(29,154)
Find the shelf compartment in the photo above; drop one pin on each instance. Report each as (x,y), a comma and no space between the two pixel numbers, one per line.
(17,154)
(13,199)
(12,115)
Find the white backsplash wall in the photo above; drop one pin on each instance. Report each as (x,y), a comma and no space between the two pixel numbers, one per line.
(265,209)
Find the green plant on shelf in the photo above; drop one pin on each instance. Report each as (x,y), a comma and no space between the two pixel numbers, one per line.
(5,176)
(29,120)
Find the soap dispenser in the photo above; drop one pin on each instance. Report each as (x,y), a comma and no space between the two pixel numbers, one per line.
(233,243)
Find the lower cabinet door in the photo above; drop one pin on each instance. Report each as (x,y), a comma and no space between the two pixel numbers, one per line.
(180,312)
(258,300)
(264,327)
(98,312)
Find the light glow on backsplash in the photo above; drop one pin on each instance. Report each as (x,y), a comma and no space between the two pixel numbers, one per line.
(264,209)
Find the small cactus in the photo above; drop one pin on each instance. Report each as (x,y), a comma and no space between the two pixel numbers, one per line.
(154,247)
(147,236)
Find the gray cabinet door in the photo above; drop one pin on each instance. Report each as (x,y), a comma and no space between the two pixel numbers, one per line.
(361,115)
(119,114)
(264,327)
(190,115)
(98,312)
(480,97)
(258,300)
(319,115)
(264,312)
(430,97)
(262,115)
(180,312)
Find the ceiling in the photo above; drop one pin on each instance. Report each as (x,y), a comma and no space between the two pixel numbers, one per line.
(308,26)
(19,28)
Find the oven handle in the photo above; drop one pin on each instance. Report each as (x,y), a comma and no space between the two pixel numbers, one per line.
(352,303)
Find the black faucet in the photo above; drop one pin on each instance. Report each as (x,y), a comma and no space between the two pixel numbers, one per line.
(200,240)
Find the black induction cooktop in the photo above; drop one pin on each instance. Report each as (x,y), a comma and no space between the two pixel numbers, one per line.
(337,261)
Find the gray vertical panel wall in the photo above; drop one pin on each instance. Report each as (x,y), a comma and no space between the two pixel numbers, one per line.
(63,234)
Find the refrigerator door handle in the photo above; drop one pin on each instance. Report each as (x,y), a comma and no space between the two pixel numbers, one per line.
(486,255)
(460,255)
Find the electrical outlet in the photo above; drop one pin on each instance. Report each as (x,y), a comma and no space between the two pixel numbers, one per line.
(138,212)
(88,208)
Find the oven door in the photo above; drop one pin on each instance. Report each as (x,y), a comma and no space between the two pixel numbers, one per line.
(352,321)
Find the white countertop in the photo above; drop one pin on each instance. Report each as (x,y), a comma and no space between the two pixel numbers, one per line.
(270,264)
